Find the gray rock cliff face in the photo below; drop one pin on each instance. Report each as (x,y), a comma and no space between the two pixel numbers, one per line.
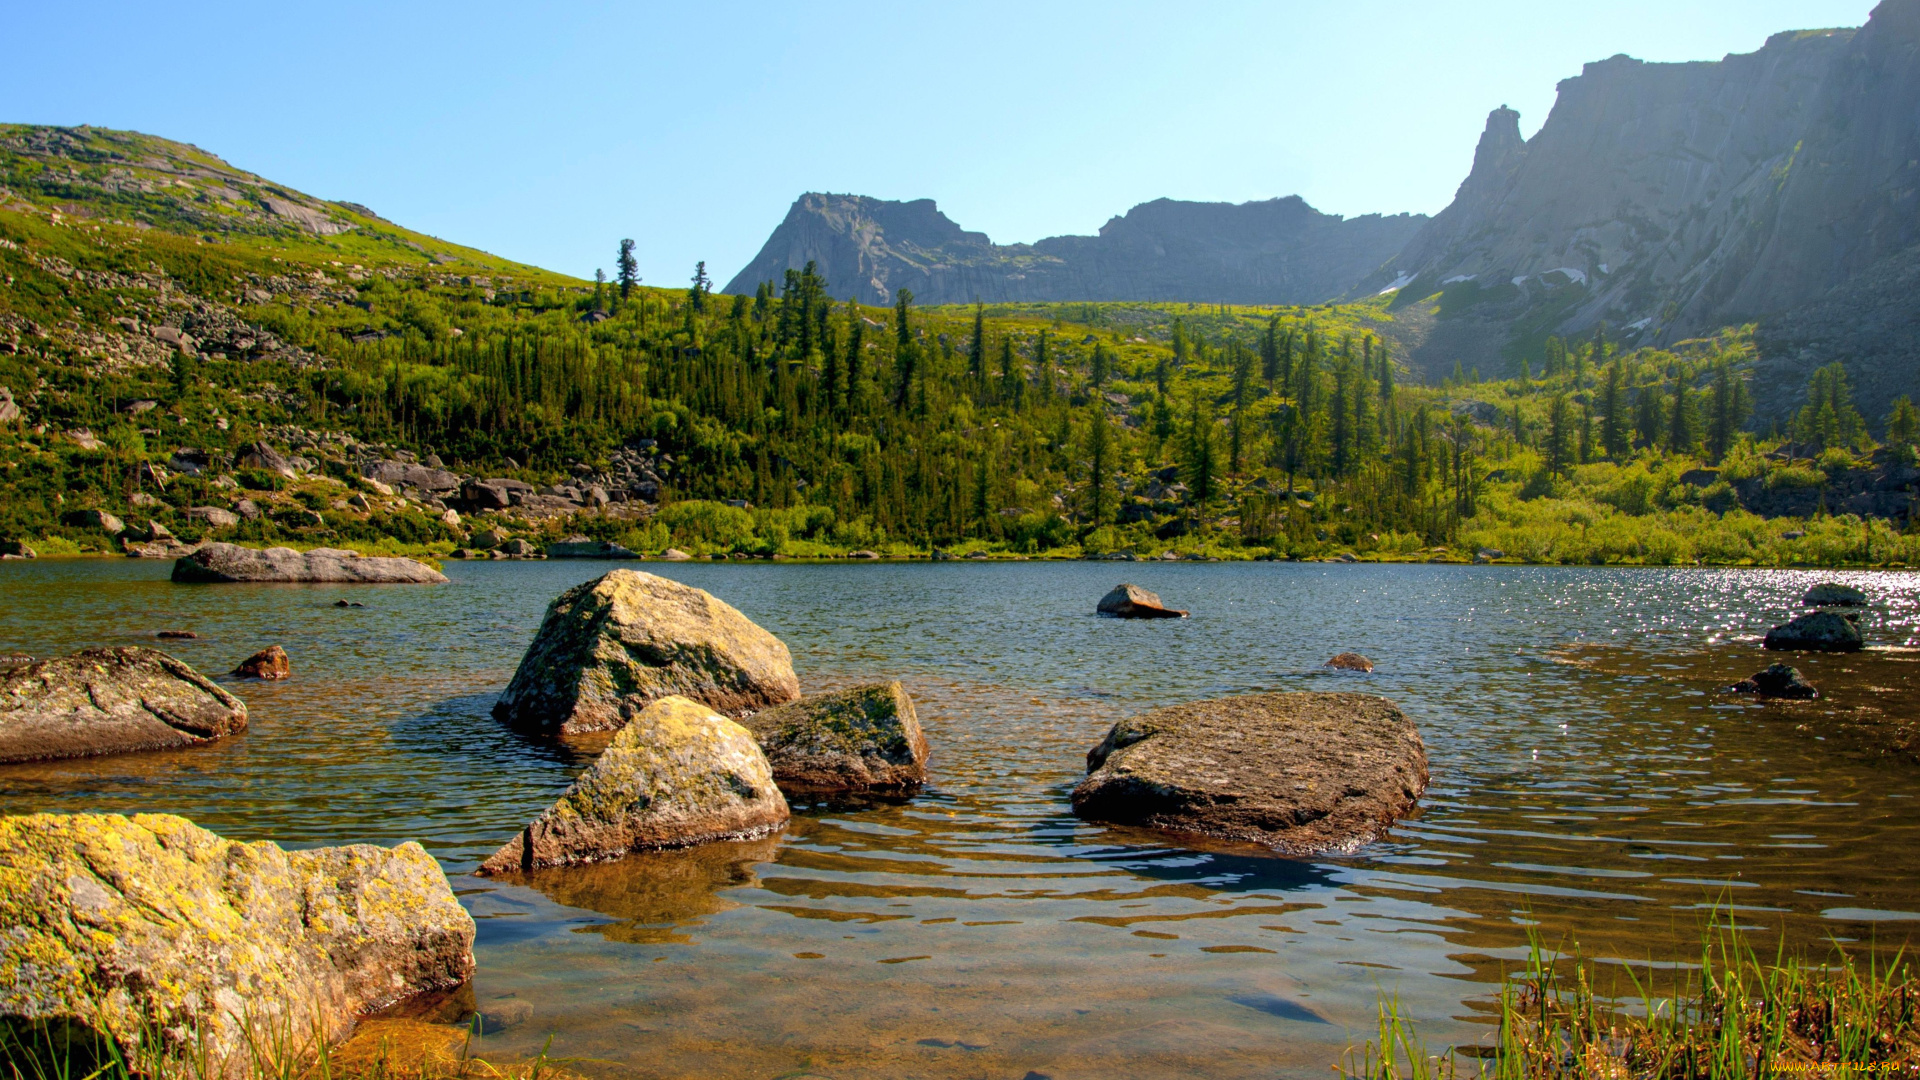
(1276,251)
(1668,200)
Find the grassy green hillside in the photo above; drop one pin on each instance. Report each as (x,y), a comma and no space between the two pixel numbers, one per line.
(157,300)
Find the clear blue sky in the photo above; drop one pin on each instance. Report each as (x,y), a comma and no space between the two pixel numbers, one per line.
(545,133)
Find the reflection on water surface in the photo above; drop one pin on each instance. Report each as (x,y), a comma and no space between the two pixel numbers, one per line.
(1586,777)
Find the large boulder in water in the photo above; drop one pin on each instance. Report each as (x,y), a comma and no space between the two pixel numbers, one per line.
(111,701)
(866,739)
(677,774)
(1133,602)
(233,563)
(1817,631)
(1302,774)
(149,927)
(612,645)
(579,547)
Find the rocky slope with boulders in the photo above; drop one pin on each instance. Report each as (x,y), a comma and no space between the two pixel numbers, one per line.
(1279,251)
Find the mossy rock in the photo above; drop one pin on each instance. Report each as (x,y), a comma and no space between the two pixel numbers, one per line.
(677,774)
(173,941)
(866,739)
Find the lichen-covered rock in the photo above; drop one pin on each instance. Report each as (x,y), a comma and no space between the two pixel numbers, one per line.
(1133,602)
(863,739)
(269,663)
(151,927)
(1817,631)
(677,774)
(214,563)
(610,646)
(1302,774)
(1834,594)
(111,701)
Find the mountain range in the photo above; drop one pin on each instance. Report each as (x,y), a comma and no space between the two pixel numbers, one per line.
(1276,251)
(1661,200)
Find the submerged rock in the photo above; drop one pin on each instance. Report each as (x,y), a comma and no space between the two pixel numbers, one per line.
(579,547)
(1817,631)
(1777,681)
(1351,661)
(1133,602)
(111,701)
(269,663)
(1834,594)
(233,563)
(1302,773)
(610,646)
(151,927)
(677,774)
(675,555)
(863,739)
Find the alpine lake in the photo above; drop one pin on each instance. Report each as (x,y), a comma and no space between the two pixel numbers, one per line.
(1592,785)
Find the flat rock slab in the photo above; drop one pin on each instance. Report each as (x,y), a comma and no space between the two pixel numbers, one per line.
(1133,602)
(866,739)
(609,647)
(678,774)
(1302,774)
(111,701)
(217,563)
(149,925)
(1817,631)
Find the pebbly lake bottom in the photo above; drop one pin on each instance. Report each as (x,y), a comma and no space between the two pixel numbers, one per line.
(1589,784)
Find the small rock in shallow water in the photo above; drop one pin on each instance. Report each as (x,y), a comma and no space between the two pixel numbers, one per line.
(1777,681)
(866,739)
(176,635)
(1817,631)
(503,1013)
(1133,602)
(1351,661)
(348,603)
(677,774)
(269,663)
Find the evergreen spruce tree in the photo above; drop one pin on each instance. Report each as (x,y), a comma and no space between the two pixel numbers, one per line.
(1559,445)
(1200,453)
(1102,366)
(600,290)
(1100,454)
(1726,410)
(1681,432)
(1270,353)
(1613,418)
(906,352)
(1649,415)
(1829,418)
(626,269)
(977,348)
(697,292)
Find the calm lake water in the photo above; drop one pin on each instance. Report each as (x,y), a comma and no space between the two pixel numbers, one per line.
(1587,780)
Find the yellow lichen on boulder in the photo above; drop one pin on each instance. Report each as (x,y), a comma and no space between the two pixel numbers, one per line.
(150,927)
(677,774)
(608,647)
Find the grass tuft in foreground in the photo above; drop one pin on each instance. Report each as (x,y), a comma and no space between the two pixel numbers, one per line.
(1733,1015)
